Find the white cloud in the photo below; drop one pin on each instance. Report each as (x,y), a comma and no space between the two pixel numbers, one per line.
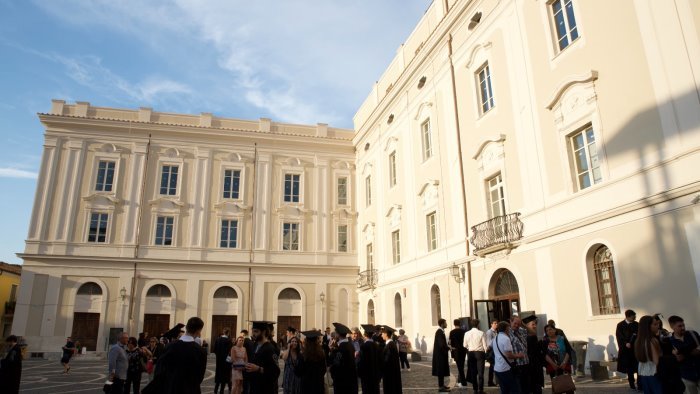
(6,172)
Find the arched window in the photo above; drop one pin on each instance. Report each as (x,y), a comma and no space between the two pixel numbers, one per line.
(604,271)
(506,284)
(289,294)
(225,292)
(90,288)
(370,312)
(435,304)
(158,291)
(398,314)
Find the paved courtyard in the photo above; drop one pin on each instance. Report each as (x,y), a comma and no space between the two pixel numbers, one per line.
(88,376)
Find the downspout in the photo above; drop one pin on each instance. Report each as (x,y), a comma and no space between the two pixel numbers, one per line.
(251,237)
(138,231)
(461,176)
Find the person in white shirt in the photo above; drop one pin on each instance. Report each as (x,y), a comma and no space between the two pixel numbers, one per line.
(490,335)
(475,342)
(504,356)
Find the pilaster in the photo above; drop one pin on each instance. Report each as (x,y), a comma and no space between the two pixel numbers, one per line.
(202,186)
(44,190)
(68,198)
(24,297)
(133,193)
(263,192)
(48,322)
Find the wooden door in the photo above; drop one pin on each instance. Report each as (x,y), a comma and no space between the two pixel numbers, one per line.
(86,326)
(219,322)
(155,324)
(285,321)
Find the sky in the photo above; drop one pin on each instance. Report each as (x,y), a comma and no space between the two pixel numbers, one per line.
(300,61)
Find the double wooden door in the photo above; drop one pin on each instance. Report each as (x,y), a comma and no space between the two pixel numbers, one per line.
(86,326)
(156,324)
(219,322)
(287,321)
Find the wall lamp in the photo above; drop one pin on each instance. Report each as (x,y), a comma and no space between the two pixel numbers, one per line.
(457,272)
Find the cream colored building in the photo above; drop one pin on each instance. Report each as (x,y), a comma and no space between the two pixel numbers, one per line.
(143,219)
(576,128)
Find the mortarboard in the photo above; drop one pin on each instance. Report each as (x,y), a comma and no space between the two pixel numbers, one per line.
(313,334)
(341,329)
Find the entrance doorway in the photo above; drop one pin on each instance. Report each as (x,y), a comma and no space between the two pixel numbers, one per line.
(156,324)
(219,322)
(503,302)
(85,329)
(286,321)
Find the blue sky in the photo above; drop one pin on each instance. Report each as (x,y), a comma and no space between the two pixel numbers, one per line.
(296,61)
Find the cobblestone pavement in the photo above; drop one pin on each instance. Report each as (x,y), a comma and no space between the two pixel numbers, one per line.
(88,376)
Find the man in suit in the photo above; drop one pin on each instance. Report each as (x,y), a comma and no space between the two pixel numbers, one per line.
(222,349)
(263,368)
(391,372)
(342,360)
(626,333)
(441,365)
(182,366)
(459,352)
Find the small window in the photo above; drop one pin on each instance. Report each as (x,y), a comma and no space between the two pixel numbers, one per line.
(564,22)
(105,176)
(585,158)
(343,191)
(398,313)
(291,187)
(485,91)
(90,288)
(431,230)
(436,308)
(392,169)
(158,291)
(98,227)
(396,246)
(370,257)
(370,312)
(164,230)
(289,294)
(225,292)
(604,270)
(427,138)
(168,180)
(496,198)
(232,184)
(229,234)
(368,190)
(290,236)
(343,238)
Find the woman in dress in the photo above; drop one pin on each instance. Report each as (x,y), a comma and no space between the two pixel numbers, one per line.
(647,350)
(311,365)
(291,382)
(557,352)
(239,358)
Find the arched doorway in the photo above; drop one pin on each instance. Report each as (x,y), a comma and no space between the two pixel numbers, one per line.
(156,317)
(503,302)
(86,315)
(288,311)
(370,312)
(398,313)
(224,312)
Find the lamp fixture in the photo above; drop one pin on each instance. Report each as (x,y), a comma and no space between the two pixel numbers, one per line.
(457,272)
(322,297)
(122,293)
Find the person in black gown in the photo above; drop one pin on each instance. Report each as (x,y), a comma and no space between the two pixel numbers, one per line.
(263,368)
(11,366)
(369,365)
(342,361)
(535,354)
(311,367)
(391,369)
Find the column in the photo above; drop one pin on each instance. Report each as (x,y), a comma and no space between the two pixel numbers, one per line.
(70,190)
(44,190)
(48,322)
(134,184)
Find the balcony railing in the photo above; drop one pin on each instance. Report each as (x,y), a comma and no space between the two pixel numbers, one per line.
(10,307)
(496,234)
(367,279)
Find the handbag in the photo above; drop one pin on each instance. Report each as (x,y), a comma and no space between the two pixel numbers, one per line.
(149,366)
(563,384)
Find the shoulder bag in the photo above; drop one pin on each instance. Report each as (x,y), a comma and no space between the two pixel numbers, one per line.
(563,383)
(513,366)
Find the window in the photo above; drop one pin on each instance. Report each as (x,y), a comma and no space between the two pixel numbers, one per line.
(232,184)
(485,91)
(392,169)
(368,190)
(496,199)
(90,288)
(436,309)
(291,187)
(343,238)
(289,294)
(370,257)
(168,180)
(105,176)
(13,293)
(225,292)
(370,312)
(164,230)
(290,236)
(426,137)
(159,291)
(585,158)
(396,246)
(604,271)
(98,227)
(564,22)
(343,191)
(431,231)
(398,313)
(229,233)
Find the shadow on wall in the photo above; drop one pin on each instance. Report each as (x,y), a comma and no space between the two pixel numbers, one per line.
(594,353)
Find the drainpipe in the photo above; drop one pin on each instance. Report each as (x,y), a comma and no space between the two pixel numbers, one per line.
(251,237)
(461,177)
(132,327)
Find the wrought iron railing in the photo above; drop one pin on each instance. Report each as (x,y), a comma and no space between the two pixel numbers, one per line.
(367,279)
(501,230)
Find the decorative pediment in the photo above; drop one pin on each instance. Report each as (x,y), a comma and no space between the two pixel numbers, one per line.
(574,99)
(475,51)
(342,165)
(586,78)
(166,204)
(293,162)
(106,148)
(423,110)
(394,215)
(101,200)
(231,207)
(293,211)
(344,214)
(429,194)
(490,154)
(172,153)
(366,169)
(391,144)
(497,138)
(368,231)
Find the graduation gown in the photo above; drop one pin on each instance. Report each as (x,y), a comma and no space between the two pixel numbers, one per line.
(222,349)
(180,369)
(343,369)
(369,367)
(11,370)
(312,375)
(441,366)
(266,357)
(626,333)
(391,371)
(535,355)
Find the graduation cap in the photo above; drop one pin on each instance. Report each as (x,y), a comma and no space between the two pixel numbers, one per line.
(369,328)
(528,317)
(262,325)
(313,334)
(174,332)
(388,330)
(341,329)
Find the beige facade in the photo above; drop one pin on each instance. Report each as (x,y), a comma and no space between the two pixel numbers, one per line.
(208,200)
(577,132)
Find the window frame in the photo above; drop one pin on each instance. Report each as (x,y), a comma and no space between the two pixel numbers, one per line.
(159,184)
(565,18)
(104,183)
(236,241)
(284,188)
(337,237)
(108,226)
(571,153)
(490,100)
(231,191)
(299,236)
(426,135)
(433,233)
(392,170)
(368,190)
(500,186)
(105,156)
(347,190)
(174,230)
(369,256)
(396,247)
